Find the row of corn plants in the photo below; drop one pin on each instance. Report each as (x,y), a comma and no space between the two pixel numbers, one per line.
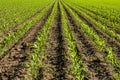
(110,32)
(110,57)
(107,9)
(77,68)
(103,20)
(14,16)
(38,53)
(15,36)
(15,11)
(114,14)
(84,14)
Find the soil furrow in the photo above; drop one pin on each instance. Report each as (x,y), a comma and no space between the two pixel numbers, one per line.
(60,58)
(11,67)
(93,60)
(55,58)
(115,45)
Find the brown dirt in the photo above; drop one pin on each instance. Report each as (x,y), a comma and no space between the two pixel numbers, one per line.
(111,42)
(55,60)
(11,66)
(93,60)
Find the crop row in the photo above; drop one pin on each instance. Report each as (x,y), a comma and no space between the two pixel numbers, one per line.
(12,38)
(109,11)
(104,28)
(11,14)
(77,69)
(97,17)
(110,55)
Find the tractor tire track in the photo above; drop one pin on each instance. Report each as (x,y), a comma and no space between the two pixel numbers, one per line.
(11,67)
(93,60)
